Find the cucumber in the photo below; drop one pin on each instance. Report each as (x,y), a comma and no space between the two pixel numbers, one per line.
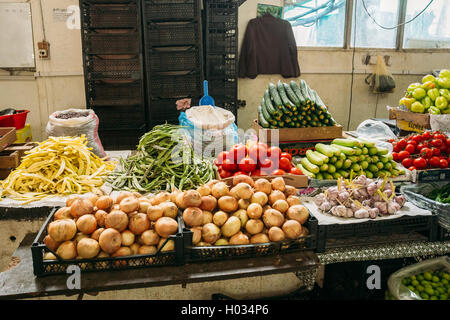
(327,176)
(331,168)
(305,171)
(297,92)
(380,165)
(342,157)
(336,175)
(344,173)
(314,159)
(388,166)
(358,151)
(364,165)
(311,95)
(345,142)
(309,166)
(319,101)
(286,111)
(338,164)
(345,150)
(304,91)
(324,167)
(354,159)
(275,95)
(261,118)
(365,150)
(269,106)
(324,158)
(373,151)
(384,159)
(375,159)
(284,98)
(325,149)
(367,143)
(264,110)
(319,176)
(373,168)
(369,174)
(333,159)
(356,167)
(382,151)
(336,151)
(291,95)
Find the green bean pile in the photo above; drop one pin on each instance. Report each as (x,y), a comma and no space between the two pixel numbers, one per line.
(152,167)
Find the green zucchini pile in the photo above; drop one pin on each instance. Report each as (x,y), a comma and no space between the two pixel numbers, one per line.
(293,106)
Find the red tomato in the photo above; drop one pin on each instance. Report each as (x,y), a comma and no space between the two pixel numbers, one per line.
(222,156)
(426,135)
(414,143)
(436,143)
(228,165)
(436,151)
(412,168)
(417,138)
(439,136)
(286,155)
(237,152)
(403,155)
(434,161)
(407,162)
(240,172)
(258,152)
(420,163)
(395,156)
(259,172)
(285,164)
(420,147)
(278,172)
(426,153)
(402,144)
(447,143)
(247,165)
(410,148)
(391,140)
(274,152)
(224,174)
(397,148)
(296,171)
(443,163)
(266,163)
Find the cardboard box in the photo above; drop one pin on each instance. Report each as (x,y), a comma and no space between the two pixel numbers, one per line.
(297,181)
(7,137)
(297,134)
(410,121)
(24,134)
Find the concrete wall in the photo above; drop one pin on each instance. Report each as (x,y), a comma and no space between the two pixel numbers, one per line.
(329,73)
(58,82)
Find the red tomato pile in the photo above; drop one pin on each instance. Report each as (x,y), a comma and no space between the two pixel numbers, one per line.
(423,151)
(256,160)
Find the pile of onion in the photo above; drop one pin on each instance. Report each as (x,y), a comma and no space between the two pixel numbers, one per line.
(99,226)
(244,212)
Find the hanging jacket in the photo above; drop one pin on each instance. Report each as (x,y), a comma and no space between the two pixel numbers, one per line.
(268,48)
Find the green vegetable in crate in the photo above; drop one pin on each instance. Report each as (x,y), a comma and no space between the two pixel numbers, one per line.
(429,285)
(441,195)
(284,98)
(275,96)
(441,103)
(262,119)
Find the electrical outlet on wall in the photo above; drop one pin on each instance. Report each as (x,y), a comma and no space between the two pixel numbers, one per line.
(44,50)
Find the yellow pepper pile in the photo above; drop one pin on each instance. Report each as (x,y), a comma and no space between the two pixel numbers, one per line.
(57,166)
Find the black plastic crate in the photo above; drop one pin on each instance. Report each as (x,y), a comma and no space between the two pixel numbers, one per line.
(223,87)
(174,59)
(175,85)
(205,253)
(338,235)
(168,10)
(221,67)
(59,266)
(443,234)
(120,93)
(121,139)
(167,34)
(163,109)
(118,117)
(112,43)
(113,69)
(110,16)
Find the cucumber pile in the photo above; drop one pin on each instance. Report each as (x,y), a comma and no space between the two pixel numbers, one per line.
(293,106)
(331,162)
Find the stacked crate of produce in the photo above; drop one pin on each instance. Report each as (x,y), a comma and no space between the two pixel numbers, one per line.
(173,50)
(113,69)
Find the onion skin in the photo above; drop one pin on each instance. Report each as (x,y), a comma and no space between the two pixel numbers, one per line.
(219,218)
(243,178)
(276,234)
(67,250)
(259,238)
(81,207)
(71,200)
(169,246)
(100,216)
(231,227)
(298,213)
(149,238)
(50,243)
(169,209)
(87,223)
(154,213)
(88,248)
(122,195)
(239,238)
(278,184)
(166,226)
(254,226)
(147,249)
(116,219)
(110,240)
(207,217)
(209,203)
(292,229)
(139,223)
(276,195)
(220,189)
(293,200)
(128,238)
(191,198)
(193,217)
(228,204)
(254,211)
(62,230)
(63,213)
(273,218)
(210,233)
(129,204)
(263,185)
(96,234)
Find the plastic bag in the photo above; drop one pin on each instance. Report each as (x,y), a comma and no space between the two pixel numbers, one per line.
(377,131)
(440,122)
(400,291)
(381,81)
(209,142)
(75,122)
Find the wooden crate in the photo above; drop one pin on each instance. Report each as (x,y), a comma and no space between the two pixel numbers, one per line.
(11,157)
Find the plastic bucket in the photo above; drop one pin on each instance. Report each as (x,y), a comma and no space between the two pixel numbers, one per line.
(17,120)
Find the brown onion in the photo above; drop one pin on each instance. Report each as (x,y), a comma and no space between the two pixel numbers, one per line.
(273,218)
(147,249)
(276,195)
(100,216)
(263,185)
(96,234)
(127,238)
(81,207)
(139,223)
(166,226)
(129,204)
(254,211)
(228,204)
(259,238)
(110,240)
(219,218)
(88,248)
(193,217)
(254,226)
(220,189)
(207,217)
(210,233)
(169,209)
(70,200)
(122,195)
(62,230)
(239,238)
(116,219)
(292,229)
(209,203)
(87,223)
(149,238)
(196,235)
(276,234)
(50,243)
(154,213)
(63,213)
(67,250)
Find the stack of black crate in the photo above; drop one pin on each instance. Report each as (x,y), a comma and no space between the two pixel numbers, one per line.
(221,51)
(113,69)
(173,56)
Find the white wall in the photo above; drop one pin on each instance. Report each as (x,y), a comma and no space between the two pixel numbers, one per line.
(329,73)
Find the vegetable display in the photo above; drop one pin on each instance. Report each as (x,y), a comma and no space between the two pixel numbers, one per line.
(360,198)
(441,195)
(429,285)
(249,212)
(153,168)
(343,156)
(423,151)
(57,166)
(293,106)
(100,227)
(431,96)
(255,159)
